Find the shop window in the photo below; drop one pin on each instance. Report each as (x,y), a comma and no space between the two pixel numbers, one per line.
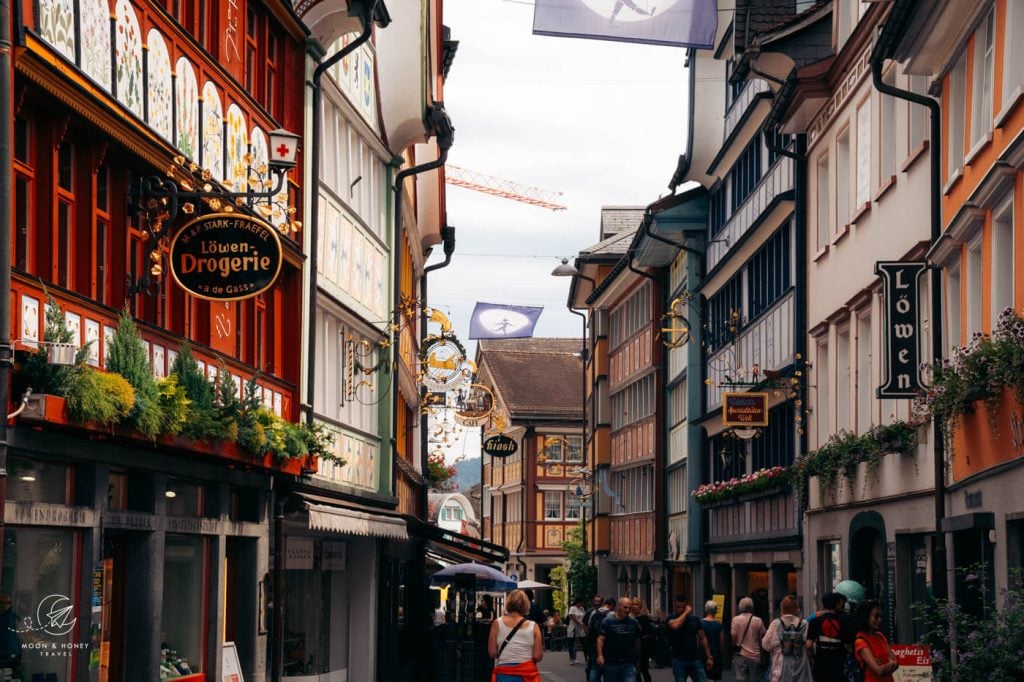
(41,609)
(183,620)
(317,629)
(37,481)
(184,498)
(830,559)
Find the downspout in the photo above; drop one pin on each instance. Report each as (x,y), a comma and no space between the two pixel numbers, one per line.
(366,17)
(901,12)
(448,244)
(583,418)
(438,124)
(6,350)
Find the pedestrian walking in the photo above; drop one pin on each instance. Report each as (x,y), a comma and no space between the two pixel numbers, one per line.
(515,642)
(715,633)
(647,632)
(575,629)
(593,622)
(618,644)
(871,646)
(786,641)
(691,655)
(830,639)
(746,632)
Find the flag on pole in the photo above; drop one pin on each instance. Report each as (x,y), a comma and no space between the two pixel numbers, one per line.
(497,321)
(683,23)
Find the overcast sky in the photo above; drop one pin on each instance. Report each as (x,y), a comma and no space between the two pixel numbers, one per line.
(602,122)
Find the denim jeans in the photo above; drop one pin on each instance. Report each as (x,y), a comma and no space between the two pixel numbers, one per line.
(571,644)
(692,667)
(620,672)
(747,670)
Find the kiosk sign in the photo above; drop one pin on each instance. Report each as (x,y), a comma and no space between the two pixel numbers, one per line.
(226,257)
(744,409)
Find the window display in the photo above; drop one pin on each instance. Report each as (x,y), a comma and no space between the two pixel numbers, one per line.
(38,617)
(183,618)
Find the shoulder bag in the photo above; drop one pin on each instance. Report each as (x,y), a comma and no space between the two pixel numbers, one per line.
(509,637)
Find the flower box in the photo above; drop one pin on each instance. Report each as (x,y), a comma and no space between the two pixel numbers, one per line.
(747,497)
(51,409)
(989,434)
(750,486)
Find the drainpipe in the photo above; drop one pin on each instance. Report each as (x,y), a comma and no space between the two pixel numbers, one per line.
(448,244)
(369,14)
(878,56)
(583,417)
(438,124)
(6,349)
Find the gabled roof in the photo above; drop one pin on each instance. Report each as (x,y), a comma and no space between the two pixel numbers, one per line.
(616,219)
(536,376)
(616,245)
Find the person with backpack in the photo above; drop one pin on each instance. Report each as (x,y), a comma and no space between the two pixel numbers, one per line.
(592,620)
(830,639)
(786,641)
(871,647)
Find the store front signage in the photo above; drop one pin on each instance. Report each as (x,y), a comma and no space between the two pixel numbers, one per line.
(915,661)
(334,556)
(744,409)
(226,257)
(973,499)
(902,328)
(500,446)
(298,554)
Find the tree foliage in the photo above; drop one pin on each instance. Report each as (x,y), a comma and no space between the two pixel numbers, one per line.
(582,575)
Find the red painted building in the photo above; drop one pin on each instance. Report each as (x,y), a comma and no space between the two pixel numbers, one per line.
(110,525)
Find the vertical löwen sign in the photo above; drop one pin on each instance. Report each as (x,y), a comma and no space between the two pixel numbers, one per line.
(902,328)
(226,257)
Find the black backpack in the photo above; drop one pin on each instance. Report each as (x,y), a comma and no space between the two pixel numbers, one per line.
(592,619)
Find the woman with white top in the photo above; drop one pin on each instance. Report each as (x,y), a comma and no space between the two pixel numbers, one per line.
(515,642)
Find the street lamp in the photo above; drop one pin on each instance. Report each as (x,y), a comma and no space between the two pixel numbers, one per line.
(564,269)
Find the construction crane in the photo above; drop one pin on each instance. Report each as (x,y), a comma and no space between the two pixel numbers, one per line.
(488,184)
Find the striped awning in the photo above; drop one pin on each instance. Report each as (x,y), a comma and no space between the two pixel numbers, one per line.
(351,522)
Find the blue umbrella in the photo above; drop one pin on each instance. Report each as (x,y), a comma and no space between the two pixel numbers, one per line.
(486,577)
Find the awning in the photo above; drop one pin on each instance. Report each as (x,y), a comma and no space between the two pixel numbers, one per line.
(351,522)
(452,547)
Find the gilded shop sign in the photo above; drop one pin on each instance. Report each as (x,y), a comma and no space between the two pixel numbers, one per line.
(226,257)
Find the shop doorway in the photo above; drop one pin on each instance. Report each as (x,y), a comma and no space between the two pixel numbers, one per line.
(974,583)
(115,561)
(868,554)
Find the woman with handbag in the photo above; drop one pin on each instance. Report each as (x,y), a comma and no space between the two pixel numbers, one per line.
(871,647)
(747,631)
(515,642)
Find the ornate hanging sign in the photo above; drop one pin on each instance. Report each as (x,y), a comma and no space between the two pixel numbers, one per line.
(745,409)
(443,360)
(902,328)
(474,405)
(500,446)
(226,257)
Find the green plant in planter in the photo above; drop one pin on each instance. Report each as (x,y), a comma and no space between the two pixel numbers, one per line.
(127,356)
(174,405)
(99,397)
(836,462)
(37,372)
(202,415)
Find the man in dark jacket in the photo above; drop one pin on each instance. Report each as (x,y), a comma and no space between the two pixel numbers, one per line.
(690,649)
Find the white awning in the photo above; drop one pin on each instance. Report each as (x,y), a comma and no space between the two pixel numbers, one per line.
(350,522)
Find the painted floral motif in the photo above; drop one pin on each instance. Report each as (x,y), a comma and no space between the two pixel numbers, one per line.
(238,150)
(129,58)
(94,16)
(57,25)
(74,323)
(260,155)
(159,86)
(29,321)
(92,337)
(108,336)
(187,103)
(213,131)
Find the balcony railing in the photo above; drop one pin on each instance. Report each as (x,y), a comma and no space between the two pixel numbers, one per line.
(778,180)
(750,94)
(767,342)
(768,516)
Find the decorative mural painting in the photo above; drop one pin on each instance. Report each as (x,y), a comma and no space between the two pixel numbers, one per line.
(94,16)
(29,321)
(213,131)
(129,58)
(186,137)
(238,150)
(57,25)
(158,90)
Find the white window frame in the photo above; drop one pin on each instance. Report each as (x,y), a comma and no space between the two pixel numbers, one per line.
(917,115)
(843,377)
(823,404)
(1002,258)
(887,131)
(975,283)
(823,213)
(1013,53)
(842,184)
(865,394)
(954,304)
(983,77)
(957,116)
(552,512)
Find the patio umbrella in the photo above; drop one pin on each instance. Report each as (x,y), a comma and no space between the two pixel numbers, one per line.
(534,585)
(486,577)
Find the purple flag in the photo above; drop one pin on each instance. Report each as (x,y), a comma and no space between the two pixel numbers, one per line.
(686,23)
(497,321)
